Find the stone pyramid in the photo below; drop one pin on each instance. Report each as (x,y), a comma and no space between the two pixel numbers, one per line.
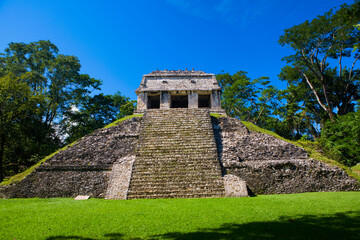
(180,153)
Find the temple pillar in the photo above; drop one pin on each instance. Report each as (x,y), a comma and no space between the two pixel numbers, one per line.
(215,100)
(193,99)
(141,102)
(164,100)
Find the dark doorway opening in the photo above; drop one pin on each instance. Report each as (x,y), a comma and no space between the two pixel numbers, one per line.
(204,101)
(179,101)
(154,102)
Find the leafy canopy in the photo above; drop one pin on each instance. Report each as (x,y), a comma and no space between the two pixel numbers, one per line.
(325,60)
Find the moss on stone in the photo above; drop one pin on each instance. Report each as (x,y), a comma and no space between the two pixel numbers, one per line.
(119,121)
(311,147)
(20,176)
(216,115)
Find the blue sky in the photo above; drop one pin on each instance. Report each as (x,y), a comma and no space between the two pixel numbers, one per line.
(119,41)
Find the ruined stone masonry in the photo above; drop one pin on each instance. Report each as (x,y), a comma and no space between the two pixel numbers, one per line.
(179,89)
(176,150)
(176,156)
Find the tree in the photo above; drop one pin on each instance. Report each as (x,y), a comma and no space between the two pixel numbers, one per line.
(37,70)
(318,45)
(341,138)
(246,99)
(93,113)
(16,98)
(57,77)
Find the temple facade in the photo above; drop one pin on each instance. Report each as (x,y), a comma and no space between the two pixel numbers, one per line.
(179,89)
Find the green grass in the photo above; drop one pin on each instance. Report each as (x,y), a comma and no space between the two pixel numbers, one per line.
(356,169)
(20,176)
(295,216)
(311,147)
(118,122)
(217,115)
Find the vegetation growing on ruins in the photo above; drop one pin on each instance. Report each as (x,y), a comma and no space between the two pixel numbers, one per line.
(20,176)
(322,97)
(301,216)
(313,149)
(47,103)
(117,122)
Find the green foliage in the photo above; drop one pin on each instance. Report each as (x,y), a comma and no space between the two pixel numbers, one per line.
(16,98)
(127,108)
(356,169)
(38,85)
(341,138)
(20,176)
(93,113)
(216,115)
(118,122)
(313,148)
(325,90)
(295,216)
(246,99)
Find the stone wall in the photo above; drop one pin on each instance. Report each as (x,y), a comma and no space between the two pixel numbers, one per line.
(83,168)
(62,183)
(104,146)
(270,165)
(120,179)
(293,176)
(267,165)
(236,143)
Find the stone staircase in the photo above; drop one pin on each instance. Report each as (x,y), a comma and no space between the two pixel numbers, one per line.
(176,156)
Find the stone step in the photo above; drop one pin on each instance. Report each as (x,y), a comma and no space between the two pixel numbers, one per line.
(171,185)
(180,164)
(176,153)
(176,156)
(163,143)
(177,195)
(169,174)
(176,175)
(175,191)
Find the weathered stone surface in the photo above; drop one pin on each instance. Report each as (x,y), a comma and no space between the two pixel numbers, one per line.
(104,146)
(177,152)
(235,186)
(5,191)
(236,143)
(178,81)
(47,184)
(292,176)
(84,168)
(176,157)
(169,84)
(120,178)
(269,165)
(81,197)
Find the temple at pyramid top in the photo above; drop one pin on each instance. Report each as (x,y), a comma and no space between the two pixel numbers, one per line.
(179,89)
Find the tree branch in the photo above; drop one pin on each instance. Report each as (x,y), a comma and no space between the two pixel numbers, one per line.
(312,89)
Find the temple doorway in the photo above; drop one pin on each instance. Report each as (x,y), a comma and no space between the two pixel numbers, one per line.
(204,101)
(154,101)
(179,101)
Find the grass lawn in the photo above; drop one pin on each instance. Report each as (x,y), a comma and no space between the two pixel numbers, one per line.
(295,216)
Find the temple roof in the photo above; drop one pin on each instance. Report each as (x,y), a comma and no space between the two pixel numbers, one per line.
(178,80)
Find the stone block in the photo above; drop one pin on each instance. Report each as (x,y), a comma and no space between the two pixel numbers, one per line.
(234,186)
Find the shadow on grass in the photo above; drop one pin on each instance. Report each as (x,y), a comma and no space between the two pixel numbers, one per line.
(110,236)
(336,226)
